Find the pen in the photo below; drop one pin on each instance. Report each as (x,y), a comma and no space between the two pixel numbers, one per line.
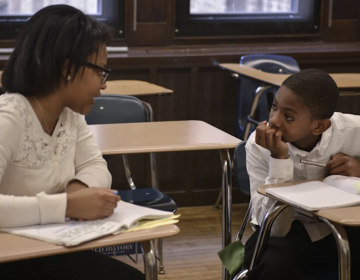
(313,163)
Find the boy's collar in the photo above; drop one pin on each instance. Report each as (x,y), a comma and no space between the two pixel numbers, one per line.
(320,147)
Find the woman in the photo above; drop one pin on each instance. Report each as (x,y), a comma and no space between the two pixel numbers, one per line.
(50,166)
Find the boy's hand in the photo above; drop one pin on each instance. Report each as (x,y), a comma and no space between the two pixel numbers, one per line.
(343,164)
(270,139)
(91,203)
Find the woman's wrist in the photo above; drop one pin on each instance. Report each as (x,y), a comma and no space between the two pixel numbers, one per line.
(75,186)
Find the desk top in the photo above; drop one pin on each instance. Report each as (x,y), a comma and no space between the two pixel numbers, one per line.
(134,88)
(349,216)
(153,137)
(15,247)
(344,81)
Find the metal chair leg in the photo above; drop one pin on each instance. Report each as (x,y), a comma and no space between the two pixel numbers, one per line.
(242,275)
(128,173)
(218,200)
(150,264)
(244,223)
(344,259)
(265,229)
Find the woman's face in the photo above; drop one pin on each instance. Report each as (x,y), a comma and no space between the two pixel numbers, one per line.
(86,87)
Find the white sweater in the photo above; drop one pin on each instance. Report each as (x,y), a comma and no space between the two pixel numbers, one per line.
(35,168)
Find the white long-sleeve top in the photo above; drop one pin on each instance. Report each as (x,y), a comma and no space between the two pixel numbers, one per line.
(343,136)
(35,168)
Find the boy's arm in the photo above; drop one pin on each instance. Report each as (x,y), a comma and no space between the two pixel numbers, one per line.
(343,164)
(263,170)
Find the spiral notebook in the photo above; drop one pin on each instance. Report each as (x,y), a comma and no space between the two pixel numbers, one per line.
(126,217)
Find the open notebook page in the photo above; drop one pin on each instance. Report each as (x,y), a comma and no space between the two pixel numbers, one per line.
(72,233)
(314,196)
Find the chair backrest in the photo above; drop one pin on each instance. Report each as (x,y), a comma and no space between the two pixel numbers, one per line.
(241,176)
(111,108)
(278,64)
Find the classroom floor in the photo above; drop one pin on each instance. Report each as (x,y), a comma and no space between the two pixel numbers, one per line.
(192,254)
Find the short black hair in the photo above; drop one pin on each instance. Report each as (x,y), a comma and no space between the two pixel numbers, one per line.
(318,91)
(50,37)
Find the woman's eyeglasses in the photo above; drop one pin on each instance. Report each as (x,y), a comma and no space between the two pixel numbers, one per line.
(104,72)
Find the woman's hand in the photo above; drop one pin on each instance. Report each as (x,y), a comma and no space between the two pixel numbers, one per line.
(343,164)
(91,203)
(270,139)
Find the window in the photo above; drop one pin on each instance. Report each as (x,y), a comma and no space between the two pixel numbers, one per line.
(246,17)
(14,13)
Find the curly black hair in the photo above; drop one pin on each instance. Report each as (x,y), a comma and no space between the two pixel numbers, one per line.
(317,90)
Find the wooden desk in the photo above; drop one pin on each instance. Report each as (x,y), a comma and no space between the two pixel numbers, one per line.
(14,247)
(132,87)
(173,136)
(135,88)
(335,218)
(344,81)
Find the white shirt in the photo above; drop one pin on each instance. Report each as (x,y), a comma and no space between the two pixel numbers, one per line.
(35,168)
(343,136)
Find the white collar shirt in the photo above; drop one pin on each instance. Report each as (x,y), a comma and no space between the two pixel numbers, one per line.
(263,169)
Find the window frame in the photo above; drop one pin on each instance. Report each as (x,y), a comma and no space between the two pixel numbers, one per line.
(189,26)
(9,31)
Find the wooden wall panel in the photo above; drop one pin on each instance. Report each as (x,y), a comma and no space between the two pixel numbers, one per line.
(151,11)
(345,9)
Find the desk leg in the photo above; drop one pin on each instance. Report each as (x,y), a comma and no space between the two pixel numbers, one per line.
(344,259)
(226,203)
(150,260)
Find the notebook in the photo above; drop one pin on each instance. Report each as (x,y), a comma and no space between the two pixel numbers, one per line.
(334,192)
(126,217)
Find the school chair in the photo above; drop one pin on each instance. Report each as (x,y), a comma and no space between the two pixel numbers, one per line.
(110,109)
(252,92)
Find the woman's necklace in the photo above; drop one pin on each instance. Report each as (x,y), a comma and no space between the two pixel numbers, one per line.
(42,111)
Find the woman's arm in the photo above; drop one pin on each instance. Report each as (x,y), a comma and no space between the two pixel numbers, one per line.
(23,211)
(90,167)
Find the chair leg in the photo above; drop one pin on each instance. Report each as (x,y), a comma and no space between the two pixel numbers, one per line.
(218,200)
(160,255)
(242,275)
(244,223)
(128,173)
(153,167)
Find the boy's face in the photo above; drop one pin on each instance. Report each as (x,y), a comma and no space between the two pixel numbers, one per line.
(290,116)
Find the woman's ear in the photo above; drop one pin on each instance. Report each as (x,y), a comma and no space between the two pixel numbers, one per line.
(322,126)
(66,72)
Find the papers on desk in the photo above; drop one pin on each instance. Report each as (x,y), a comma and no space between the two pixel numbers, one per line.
(334,192)
(126,217)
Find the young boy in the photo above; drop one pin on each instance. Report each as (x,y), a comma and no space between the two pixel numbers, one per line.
(302,125)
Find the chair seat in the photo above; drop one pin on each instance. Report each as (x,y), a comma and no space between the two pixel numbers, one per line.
(151,198)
